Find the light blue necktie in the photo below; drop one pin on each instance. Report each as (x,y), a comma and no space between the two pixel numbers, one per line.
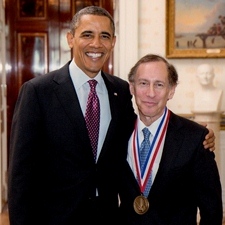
(144,151)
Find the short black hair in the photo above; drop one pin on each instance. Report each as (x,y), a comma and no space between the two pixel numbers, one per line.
(90,10)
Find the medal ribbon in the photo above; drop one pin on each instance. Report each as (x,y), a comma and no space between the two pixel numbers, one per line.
(160,134)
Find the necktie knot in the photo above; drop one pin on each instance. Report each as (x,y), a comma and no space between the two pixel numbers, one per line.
(92,84)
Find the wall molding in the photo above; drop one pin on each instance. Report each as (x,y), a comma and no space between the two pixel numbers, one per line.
(191,117)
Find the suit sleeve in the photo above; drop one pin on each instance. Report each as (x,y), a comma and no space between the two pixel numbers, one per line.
(23,156)
(208,187)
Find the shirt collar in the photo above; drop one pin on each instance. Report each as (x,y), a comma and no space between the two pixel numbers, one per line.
(79,78)
(152,128)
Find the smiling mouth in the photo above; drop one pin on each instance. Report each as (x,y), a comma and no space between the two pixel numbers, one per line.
(150,104)
(94,55)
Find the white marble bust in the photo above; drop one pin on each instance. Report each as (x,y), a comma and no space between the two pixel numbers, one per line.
(207,99)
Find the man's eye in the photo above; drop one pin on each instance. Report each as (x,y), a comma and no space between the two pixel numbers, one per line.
(143,83)
(86,35)
(159,85)
(105,36)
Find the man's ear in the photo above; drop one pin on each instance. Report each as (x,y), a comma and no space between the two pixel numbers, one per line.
(171,93)
(70,37)
(114,41)
(131,86)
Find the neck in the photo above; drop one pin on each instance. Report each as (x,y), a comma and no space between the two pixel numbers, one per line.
(148,120)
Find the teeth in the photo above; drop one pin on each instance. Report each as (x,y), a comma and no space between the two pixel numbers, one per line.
(94,55)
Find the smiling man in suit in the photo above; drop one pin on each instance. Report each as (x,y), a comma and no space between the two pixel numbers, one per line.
(54,178)
(178,175)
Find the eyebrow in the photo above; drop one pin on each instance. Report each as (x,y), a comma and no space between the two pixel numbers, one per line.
(87,31)
(107,33)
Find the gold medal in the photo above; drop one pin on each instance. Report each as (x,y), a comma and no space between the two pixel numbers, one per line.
(141,204)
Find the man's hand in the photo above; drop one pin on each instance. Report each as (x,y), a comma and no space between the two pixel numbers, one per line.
(209,141)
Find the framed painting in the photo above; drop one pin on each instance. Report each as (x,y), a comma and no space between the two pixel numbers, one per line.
(195,29)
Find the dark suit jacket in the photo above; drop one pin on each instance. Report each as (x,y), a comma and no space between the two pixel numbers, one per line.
(52,173)
(187,178)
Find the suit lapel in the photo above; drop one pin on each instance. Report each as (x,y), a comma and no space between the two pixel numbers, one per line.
(173,142)
(67,96)
(113,95)
(114,108)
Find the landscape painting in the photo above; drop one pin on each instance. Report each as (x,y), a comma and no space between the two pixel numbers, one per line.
(195,28)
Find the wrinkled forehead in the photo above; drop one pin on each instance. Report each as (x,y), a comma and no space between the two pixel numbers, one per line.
(156,70)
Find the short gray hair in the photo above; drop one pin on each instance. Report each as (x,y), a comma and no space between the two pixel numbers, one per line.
(172,73)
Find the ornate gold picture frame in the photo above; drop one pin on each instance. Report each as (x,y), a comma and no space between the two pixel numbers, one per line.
(195,29)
